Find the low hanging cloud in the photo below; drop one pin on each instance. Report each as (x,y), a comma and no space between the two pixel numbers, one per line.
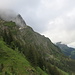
(53,18)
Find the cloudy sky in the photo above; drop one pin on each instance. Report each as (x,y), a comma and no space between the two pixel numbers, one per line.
(53,18)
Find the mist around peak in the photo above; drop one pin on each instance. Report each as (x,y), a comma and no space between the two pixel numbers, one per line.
(10,15)
(7,14)
(19,21)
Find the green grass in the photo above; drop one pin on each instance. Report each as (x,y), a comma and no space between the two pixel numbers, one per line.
(63,72)
(9,24)
(15,63)
(40,71)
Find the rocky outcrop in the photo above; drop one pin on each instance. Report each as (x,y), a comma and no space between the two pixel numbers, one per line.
(19,21)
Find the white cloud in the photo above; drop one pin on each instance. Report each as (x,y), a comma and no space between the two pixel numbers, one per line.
(62,29)
(72,44)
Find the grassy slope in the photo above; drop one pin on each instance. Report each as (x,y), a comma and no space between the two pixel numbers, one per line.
(15,63)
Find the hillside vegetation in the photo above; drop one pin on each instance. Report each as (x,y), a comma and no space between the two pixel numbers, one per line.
(25,52)
(68,51)
(14,63)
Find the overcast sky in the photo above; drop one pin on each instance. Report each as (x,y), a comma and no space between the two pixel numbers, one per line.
(53,18)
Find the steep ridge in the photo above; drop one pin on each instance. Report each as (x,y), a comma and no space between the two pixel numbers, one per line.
(38,49)
(19,21)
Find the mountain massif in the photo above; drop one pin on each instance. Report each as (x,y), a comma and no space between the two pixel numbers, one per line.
(25,52)
(68,51)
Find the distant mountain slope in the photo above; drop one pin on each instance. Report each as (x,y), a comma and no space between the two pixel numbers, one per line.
(68,51)
(38,50)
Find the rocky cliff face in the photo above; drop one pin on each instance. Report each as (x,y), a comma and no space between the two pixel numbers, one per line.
(19,21)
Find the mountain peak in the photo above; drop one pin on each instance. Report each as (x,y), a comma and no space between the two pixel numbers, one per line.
(19,21)
(58,42)
(19,16)
(61,44)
